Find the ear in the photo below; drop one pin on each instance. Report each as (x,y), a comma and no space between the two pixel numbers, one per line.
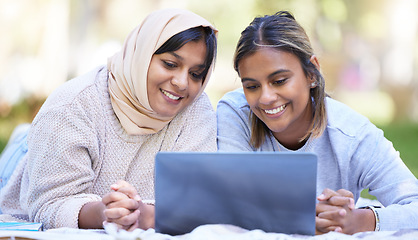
(315,62)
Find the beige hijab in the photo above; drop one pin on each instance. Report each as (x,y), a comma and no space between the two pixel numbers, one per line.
(128,69)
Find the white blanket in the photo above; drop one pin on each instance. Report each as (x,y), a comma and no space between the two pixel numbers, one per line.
(228,232)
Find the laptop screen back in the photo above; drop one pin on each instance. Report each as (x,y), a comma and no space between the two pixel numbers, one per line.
(271,191)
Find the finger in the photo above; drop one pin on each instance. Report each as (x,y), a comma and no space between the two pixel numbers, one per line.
(133,226)
(115,213)
(348,194)
(114,187)
(325,207)
(130,191)
(345,193)
(119,184)
(342,201)
(334,216)
(113,197)
(324,225)
(332,229)
(124,203)
(326,194)
(128,220)
(329,194)
(126,188)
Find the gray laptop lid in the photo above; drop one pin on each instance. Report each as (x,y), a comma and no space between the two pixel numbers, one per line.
(271,191)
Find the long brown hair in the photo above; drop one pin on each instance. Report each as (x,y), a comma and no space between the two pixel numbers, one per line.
(282,32)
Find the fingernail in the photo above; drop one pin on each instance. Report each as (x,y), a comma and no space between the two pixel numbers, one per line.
(352,205)
(321,196)
(114,187)
(137,198)
(342,212)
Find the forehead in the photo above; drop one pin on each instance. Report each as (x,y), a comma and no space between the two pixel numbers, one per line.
(267,60)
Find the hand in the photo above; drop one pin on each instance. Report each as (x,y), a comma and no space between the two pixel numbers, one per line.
(146,212)
(123,206)
(334,210)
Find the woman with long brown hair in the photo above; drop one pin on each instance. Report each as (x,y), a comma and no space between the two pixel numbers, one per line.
(282,106)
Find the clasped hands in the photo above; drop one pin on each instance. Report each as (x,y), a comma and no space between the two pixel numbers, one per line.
(125,208)
(336,211)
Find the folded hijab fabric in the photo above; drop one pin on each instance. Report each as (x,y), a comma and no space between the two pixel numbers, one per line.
(128,69)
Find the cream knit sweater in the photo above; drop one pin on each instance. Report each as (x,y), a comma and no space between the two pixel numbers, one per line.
(77,149)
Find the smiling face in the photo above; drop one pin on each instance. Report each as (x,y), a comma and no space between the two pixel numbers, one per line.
(175,79)
(278,93)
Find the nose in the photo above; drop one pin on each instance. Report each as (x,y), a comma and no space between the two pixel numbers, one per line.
(180,80)
(268,95)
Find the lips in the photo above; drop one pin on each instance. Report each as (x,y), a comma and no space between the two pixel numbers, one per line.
(170,95)
(275,110)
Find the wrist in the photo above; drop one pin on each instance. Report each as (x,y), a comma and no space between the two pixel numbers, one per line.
(91,215)
(375,215)
(147,216)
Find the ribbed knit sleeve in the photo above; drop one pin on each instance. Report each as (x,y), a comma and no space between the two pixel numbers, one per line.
(60,187)
(64,150)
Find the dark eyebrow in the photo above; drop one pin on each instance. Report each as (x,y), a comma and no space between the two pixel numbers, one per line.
(247,79)
(278,72)
(269,76)
(176,55)
(200,66)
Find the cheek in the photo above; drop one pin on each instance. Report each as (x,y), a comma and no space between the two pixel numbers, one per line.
(156,74)
(251,97)
(150,79)
(298,90)
(194,88)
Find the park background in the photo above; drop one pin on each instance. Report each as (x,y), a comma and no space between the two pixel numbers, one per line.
(367,50)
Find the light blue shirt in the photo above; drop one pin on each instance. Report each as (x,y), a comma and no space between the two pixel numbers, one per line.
(353,154)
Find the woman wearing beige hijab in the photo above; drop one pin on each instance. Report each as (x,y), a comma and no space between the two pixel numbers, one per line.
(108,125)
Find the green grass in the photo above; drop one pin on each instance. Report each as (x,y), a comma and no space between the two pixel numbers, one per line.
(3,143)
(22,112)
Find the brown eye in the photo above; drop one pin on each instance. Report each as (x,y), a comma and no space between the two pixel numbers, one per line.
(169,64)
(197,76)
(251,87)
(279,82)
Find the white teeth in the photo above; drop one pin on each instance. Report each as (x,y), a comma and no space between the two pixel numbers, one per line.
(171,96)
(276,110)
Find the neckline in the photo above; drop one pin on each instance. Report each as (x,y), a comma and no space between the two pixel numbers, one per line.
(278,147)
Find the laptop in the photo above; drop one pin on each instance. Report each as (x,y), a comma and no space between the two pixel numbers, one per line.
(271,191)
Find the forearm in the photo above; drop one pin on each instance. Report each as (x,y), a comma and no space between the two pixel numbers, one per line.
(397,216)
(91,215)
